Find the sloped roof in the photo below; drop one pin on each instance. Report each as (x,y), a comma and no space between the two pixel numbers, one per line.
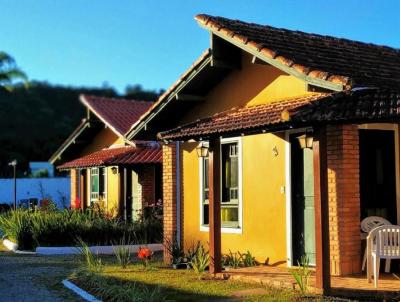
(118,114)
(166,96)
(333,59)
(359,105)
(239,119)
(117,156)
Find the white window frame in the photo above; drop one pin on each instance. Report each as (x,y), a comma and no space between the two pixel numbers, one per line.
(231,230)
(105,183)
(93,200)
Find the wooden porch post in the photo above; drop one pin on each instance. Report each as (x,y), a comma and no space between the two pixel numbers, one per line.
(323,278)
(215,205)
(122,191)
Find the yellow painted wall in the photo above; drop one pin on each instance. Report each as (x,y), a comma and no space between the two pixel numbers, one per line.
(112,191)
(106,138)
(103,139)
(253,84)
(264,231)
(264,213)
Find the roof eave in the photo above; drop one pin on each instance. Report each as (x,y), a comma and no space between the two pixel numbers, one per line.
(269,57)
(189,74)
(87,105)
(77,132)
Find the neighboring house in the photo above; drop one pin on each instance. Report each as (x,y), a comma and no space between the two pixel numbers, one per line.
(107,169)
(249,102)
(40,168)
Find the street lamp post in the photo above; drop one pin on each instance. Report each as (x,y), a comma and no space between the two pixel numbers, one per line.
(14,165)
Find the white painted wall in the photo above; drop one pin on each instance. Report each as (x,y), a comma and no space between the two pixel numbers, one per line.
(30,188)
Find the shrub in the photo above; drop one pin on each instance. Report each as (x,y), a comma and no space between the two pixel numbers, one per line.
(122,252)
(91,263)
(233,259)
(200,261)
(302,274)
(61,228)
(145,255)
(174,250)
(248,259)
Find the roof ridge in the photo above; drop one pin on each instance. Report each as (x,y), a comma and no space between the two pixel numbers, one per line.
(118,99)
(339,62)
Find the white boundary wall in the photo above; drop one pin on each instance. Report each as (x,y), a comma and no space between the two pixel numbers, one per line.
(54,188)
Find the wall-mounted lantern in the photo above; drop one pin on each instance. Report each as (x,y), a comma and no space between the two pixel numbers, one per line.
(114,170)
(306,140)
(202,150)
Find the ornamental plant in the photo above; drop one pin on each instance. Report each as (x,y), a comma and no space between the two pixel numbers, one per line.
(145,254)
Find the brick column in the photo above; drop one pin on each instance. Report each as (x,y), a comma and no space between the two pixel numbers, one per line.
(344,199)
(74,186)
(169,195)
(147,180)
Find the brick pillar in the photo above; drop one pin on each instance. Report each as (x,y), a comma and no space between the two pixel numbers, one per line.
(147,180)
(74,186)
(169,195)
(344,199)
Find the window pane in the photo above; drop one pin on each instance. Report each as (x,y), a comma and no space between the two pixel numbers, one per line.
(230,165)
(205,214)
(230,216)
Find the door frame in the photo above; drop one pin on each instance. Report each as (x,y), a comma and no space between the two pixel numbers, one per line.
(395,129)
(288,194)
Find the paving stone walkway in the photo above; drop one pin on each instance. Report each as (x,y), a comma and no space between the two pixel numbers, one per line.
(26,278)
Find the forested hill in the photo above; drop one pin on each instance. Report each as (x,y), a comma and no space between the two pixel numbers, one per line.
(35,121)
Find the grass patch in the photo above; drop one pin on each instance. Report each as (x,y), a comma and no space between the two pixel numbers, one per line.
(165,284)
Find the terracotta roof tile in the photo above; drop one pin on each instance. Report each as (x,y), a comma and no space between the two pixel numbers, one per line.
(119,114)
(238,119)
(117,156)
(359,105)
(334,59)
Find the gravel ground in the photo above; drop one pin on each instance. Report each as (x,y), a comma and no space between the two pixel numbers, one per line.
(34,278)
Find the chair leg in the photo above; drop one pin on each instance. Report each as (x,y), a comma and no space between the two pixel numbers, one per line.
(364,260)
(387,265)
(377,262)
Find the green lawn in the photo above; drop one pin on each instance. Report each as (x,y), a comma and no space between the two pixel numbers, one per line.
(178,285)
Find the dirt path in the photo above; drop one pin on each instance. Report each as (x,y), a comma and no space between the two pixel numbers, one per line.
(34,278)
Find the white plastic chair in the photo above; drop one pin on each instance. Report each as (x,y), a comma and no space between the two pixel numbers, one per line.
(367,225)
(383,242)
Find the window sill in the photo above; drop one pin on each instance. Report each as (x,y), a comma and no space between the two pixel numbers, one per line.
(223,230)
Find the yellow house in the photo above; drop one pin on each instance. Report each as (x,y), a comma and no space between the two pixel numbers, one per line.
(107,169)
(274,142)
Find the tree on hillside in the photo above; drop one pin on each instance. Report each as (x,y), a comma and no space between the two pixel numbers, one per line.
(9,72)
(137,92)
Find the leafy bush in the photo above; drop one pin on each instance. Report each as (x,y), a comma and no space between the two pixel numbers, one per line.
(248,259)
(91,263)
(122,252)
(200,260)
(233,259)
(302,274)
(62,228)
(174,250)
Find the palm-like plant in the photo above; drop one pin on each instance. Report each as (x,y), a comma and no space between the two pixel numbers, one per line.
(9,72)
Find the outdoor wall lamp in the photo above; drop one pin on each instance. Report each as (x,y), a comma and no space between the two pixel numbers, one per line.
(202,150)
(114,170)
(306,140)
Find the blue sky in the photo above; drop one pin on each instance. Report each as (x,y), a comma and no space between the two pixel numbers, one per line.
(89,42)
